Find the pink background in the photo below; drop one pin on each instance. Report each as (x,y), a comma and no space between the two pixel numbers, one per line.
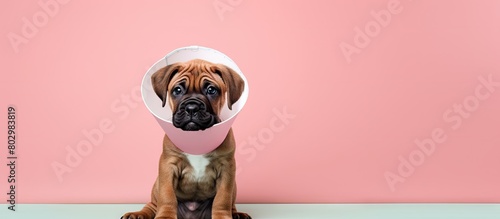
(353,121)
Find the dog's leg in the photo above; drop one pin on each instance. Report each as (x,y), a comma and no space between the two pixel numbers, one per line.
(236,214)
(223,201)
(166,199)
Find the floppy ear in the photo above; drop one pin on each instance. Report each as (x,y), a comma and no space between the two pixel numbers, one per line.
(233,81)
(160,80)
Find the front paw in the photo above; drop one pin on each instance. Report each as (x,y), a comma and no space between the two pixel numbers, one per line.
(136,215)
(241,215)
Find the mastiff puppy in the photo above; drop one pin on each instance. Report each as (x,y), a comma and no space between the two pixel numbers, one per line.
(195,186)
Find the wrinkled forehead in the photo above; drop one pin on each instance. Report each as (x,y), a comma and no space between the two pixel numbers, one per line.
(195,74)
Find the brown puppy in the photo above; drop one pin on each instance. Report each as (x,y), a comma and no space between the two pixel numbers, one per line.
(195,186)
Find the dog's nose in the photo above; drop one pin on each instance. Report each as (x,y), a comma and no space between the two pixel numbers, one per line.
(192,108)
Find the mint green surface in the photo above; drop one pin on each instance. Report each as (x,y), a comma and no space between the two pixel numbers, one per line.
(272,211)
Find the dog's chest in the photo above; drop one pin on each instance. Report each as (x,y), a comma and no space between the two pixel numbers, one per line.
(197,179)
(198,165)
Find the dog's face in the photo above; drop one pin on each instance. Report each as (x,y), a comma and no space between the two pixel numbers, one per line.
(196,92)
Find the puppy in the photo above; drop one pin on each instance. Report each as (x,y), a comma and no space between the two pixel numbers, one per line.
(195,186)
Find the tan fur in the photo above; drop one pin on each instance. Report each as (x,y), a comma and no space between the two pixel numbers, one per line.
(175,182)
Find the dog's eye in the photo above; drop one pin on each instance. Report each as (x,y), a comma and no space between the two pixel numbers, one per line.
(211,90)
(177,91)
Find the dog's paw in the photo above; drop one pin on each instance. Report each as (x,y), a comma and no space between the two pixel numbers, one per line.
(136,215)
(241,215)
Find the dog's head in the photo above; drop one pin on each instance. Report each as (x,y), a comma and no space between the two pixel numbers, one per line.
(196,92)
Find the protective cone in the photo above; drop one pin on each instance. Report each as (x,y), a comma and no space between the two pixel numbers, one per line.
(192,142)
